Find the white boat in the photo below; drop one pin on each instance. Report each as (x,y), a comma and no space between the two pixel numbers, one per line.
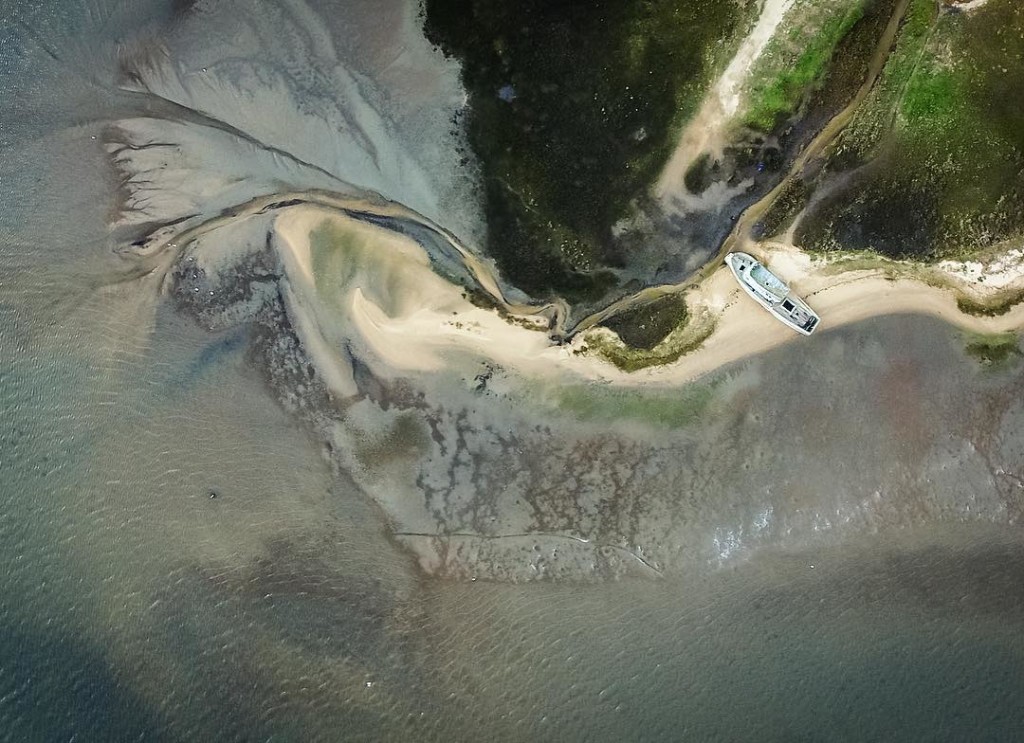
(771,292)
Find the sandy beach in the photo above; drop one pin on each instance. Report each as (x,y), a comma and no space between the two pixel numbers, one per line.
(742,329)
(394,312)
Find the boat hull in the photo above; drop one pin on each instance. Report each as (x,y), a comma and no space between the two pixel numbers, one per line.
(769,291)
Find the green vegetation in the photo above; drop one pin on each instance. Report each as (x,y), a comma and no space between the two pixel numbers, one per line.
(931,99)
(574,106)
(994,307)
(795,63)
(786,206)
(944,136)
(993,349)
(685,338)
(602,403)
(861,138)
(645,327)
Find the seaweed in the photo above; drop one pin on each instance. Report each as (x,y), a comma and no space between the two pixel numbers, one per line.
(678,408)
(995,307)
(647,326)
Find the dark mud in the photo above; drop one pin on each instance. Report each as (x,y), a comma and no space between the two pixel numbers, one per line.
(573,110)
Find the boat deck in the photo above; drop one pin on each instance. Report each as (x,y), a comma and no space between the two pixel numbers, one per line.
(772,293)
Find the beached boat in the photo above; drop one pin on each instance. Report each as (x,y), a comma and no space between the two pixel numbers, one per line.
(771,292)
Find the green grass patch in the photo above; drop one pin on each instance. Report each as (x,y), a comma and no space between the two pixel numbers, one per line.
(993,349)
(932,96)
(645,327)
(945,127)
(673,409)
(782,81)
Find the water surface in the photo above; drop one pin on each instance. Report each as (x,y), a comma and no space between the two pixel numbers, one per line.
(188,558)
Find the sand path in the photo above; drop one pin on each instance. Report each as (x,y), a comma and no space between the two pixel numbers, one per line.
(705,132)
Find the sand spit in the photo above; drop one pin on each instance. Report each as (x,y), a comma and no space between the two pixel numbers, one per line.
(384,303)
(377,296)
